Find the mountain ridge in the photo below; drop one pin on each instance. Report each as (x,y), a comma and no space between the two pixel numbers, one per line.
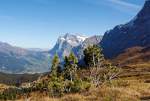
(134,33)
(65,44)
(19,60)
(75,43)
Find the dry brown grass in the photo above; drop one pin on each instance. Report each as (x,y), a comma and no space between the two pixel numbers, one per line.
(3,87)
(117,90)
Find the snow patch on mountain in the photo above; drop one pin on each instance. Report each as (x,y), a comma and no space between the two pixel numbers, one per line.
(81,38)
(71,39)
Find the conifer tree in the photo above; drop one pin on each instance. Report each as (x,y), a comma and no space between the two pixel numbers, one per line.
(100,69)
(55,66)
(55,84)
(70,67)
(93,56)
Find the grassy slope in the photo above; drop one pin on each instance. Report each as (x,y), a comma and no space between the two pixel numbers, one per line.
(118,90)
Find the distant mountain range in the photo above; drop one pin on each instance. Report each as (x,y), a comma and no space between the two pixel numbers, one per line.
(19,60)
(37,49)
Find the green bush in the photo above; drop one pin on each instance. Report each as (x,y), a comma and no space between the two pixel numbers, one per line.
(76,86)
(9,94)
(56,87)
(86,85)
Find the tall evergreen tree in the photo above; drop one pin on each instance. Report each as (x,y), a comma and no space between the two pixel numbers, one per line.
(70,67)
(55,66)
(93,56)
(55,85)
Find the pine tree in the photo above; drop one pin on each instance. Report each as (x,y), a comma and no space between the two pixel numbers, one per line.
(93,56)
(55,85)
(55,66)
(70,67)
(100,70)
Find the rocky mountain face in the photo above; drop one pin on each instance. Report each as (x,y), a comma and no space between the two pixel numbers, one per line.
(65,44)
(19,60)
(134,33)
(75,43)
(94,40)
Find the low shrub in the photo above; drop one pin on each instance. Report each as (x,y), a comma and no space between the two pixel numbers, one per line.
(119,83)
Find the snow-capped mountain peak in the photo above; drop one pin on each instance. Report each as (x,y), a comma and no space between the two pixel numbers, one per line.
(66,43)
(73,40)
(81,38)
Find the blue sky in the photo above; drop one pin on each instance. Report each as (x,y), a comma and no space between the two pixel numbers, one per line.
(38,23)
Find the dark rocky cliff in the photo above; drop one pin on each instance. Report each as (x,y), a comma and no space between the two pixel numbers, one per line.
(134,33)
